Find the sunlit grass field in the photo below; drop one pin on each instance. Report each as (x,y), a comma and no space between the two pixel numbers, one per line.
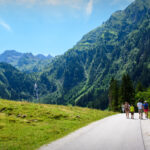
(27,126)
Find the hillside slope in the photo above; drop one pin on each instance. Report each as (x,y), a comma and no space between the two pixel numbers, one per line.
(81,76)
(27,126)
(15,84)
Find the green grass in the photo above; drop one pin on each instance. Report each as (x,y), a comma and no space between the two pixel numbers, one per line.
(27,126)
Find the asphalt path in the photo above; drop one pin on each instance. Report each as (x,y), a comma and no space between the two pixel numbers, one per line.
(112,133)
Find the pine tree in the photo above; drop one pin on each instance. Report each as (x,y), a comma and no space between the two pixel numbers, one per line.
(110,93)
(127,89)
(114,95)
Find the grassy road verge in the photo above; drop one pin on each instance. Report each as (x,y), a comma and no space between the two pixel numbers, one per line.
(27,126)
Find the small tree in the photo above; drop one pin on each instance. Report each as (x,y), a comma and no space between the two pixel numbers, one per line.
(139,87)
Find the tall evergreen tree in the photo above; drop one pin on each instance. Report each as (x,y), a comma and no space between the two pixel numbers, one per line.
(127,89)
(114,95)
(110,93)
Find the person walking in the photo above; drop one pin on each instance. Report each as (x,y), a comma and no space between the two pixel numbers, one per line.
(140,109)
(145,105)
(122,107)
(132,111)
(127,109)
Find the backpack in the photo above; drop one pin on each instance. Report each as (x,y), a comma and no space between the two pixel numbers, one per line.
(146,106)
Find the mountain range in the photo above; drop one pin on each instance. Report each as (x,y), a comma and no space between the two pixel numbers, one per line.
(26,62)
(82,75)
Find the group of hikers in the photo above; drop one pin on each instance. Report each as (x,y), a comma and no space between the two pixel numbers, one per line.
(127,108)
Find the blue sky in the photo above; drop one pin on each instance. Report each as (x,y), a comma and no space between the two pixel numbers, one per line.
(51,26)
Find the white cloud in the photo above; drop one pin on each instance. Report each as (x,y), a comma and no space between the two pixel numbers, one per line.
(22,2)
(85,6)
(52,2)
(5,25)
(89,7)
(70,3)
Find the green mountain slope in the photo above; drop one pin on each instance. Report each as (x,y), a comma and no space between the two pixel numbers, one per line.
(15,84)
(25,62)
(81,76)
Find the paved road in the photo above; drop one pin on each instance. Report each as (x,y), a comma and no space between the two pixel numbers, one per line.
(112,133)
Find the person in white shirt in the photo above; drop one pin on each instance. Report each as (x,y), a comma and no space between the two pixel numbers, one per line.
(140,109)
(122,106)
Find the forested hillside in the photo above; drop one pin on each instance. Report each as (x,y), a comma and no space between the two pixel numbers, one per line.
(20,86)
(15,84)
(121,45)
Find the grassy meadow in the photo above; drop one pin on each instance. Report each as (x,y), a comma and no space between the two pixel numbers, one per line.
(27,126)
